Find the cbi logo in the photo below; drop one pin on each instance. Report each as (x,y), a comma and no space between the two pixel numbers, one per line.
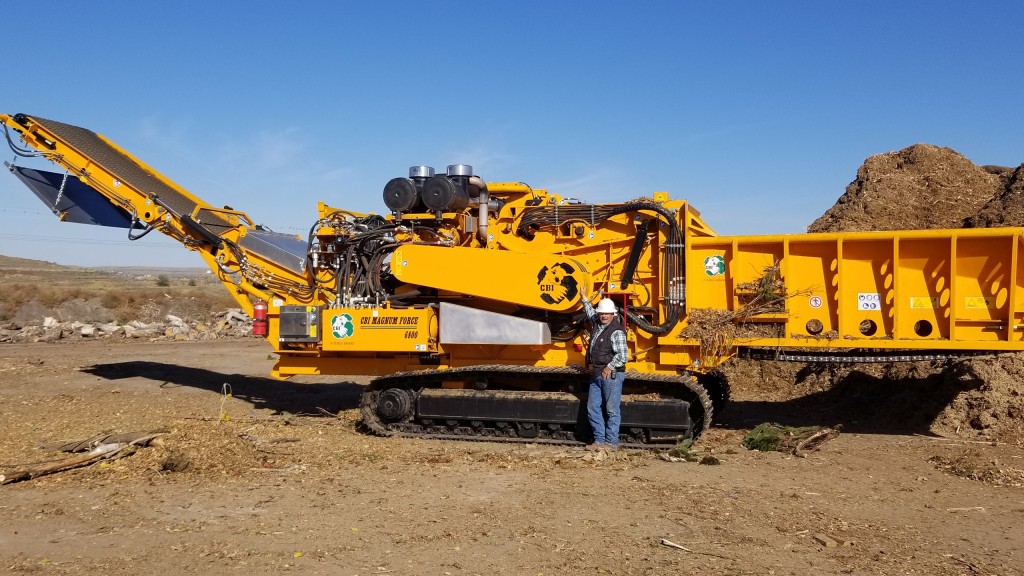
(557,283)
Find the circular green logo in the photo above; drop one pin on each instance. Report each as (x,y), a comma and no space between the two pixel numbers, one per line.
(714,265)
(342,327)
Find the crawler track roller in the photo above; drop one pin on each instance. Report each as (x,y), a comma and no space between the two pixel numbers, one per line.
(548,407)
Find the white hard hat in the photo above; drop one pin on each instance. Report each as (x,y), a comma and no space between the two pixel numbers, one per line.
(606,306)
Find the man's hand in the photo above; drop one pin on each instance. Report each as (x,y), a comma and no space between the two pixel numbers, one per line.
(606,373)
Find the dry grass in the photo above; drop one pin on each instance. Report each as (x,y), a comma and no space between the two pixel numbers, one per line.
(763,295)
(49,289)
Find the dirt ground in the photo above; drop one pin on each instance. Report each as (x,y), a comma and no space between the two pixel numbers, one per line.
(258,476)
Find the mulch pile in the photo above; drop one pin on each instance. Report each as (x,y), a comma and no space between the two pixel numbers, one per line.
(920,187)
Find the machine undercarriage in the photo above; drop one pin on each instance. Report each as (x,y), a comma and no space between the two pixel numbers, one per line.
(657,411)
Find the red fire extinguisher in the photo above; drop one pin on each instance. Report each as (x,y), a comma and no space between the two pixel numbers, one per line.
(259,318)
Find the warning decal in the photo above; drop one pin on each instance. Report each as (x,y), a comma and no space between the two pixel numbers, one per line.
(979,302)
(923,302)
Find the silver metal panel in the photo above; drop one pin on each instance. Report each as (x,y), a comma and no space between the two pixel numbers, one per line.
(463,325)
(285,250)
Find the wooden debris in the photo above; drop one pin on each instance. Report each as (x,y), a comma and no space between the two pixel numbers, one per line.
(970,565)
(826,541)
(665,542)
(106,451)
(815,440)
(769,437)
(256,440)
(670,544)
(90,443)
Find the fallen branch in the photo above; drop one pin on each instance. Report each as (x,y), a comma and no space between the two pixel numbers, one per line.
(769,437)
(670,544)
(218,419)
(257,441)
(101,452)
(962,440)
(665,542)
(325,412)
(90,443)
(815,440)
(969,564)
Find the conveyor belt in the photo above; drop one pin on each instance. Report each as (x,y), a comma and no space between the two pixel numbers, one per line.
(127,170)
(80,202)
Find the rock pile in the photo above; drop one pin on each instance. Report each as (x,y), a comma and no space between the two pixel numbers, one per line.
(231,323)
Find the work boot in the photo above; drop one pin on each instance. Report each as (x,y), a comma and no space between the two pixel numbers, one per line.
(594,447)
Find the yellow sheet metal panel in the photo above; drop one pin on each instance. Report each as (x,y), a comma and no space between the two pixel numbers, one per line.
(982,288)
(341,363)
(1017,292)
(923,297)
(379,330)
(708,283)
(904,289)
(866,289)
(753,259)
(555,354)
(811,269)
(539,281)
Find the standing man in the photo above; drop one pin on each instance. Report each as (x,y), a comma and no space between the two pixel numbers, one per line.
(606,359)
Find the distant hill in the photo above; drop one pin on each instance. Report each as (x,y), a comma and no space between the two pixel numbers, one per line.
(12,263)
(26,264)
(31,290)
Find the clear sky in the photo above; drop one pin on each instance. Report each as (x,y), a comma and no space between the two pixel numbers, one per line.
(757,112)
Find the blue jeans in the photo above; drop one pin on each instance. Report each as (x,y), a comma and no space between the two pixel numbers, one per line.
(603,407)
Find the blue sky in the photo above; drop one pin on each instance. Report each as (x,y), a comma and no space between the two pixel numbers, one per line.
(758,113)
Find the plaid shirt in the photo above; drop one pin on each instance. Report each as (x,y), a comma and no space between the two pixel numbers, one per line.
(618,337)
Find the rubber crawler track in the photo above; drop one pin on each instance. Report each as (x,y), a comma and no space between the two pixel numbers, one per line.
(684,387)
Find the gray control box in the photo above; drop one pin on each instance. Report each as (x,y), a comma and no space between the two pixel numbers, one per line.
(299,324)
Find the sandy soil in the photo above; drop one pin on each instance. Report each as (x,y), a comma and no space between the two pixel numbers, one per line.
(275,478)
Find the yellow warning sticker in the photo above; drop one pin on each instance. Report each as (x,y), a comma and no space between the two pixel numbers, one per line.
(980,302)
(923,302)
